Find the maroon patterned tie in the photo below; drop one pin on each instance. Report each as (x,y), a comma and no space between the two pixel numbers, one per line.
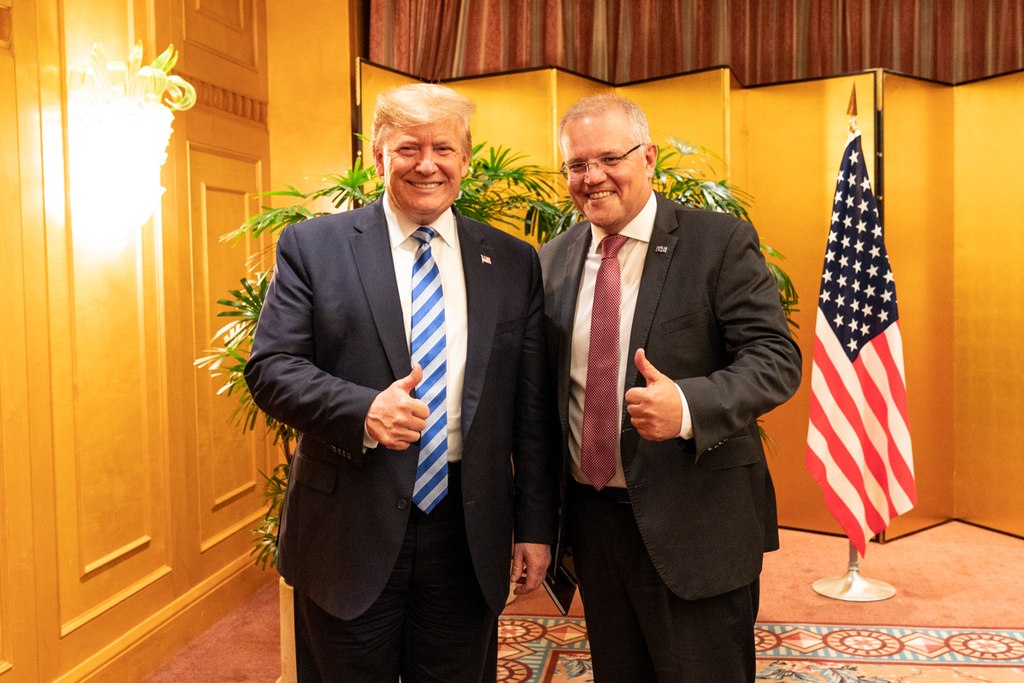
(600,401)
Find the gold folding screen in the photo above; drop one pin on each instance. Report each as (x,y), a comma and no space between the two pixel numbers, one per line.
(988,318)
(783,144)
(919,176)
(787,153)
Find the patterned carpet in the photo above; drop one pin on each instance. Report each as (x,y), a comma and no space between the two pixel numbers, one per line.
(555,650)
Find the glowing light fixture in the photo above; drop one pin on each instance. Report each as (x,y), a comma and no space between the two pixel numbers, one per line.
(119,124)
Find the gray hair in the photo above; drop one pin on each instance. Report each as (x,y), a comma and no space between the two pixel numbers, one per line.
(419,104)
(602,103)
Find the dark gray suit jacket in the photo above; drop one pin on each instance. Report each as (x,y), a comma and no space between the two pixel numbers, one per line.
(331,337)
(708,316)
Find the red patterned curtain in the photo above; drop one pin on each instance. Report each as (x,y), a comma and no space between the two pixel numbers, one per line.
(763,41)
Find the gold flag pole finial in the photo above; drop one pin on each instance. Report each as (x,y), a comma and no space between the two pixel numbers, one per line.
(851,110)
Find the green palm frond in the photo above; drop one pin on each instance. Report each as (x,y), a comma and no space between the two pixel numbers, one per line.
(226,360)
(264,549)
(683,173)
(548,219)
(500,189)
(353,188)
(269,219)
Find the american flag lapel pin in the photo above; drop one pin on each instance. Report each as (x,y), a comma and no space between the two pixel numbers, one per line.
(661,249)
(485,259)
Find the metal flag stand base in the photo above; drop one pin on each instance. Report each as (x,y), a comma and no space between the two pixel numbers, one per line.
(852,586)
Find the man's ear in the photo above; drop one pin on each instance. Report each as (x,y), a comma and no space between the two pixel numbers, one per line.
(378,161)
(650,159)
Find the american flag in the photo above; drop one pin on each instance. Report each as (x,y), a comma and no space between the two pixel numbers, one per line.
(858,441)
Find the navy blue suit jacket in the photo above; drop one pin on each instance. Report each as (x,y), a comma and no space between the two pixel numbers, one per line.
(330,337)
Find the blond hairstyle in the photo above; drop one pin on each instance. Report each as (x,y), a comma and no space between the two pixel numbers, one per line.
(594,105)
(419,104)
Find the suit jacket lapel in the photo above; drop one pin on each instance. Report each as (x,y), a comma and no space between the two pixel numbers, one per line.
(567,287)
(659,257)
(482,301)
(373,259)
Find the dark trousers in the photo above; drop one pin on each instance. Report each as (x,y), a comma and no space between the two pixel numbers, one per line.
(639,630)
(430,625)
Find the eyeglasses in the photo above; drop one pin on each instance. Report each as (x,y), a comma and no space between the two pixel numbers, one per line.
(578,169)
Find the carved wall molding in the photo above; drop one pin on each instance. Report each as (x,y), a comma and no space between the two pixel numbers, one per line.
(228,101)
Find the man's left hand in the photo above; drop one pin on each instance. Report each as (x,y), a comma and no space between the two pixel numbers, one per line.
(529,563)
(655,410)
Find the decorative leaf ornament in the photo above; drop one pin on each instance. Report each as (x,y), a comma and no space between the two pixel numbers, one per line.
(104,80)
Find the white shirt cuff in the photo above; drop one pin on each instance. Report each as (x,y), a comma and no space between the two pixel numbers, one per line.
(686,428)
(369,442)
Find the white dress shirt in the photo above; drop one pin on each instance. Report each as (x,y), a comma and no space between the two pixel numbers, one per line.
(631,257)
(445,250)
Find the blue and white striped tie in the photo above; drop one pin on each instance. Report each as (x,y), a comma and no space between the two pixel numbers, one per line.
(427,348)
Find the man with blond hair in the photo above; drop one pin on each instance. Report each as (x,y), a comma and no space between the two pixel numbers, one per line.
(405,343)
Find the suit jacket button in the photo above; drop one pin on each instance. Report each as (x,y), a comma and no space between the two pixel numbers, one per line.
(402,504)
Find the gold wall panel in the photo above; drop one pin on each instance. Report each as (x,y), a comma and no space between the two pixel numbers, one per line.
(513,111)
(109,420)
(101,572)
(988,305)
(18,201)
(918,222)
(110,25)
(692,108)
(227,462)
(311,83)
(224,27)
(569,88)
(97,401)
(787,149)
(222,41)
(12,349)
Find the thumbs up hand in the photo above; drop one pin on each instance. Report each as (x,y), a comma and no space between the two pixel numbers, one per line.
(408,383)
(395,418)
(655,410)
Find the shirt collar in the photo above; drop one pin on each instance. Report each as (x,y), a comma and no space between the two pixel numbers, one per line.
(400,227)
(640,228)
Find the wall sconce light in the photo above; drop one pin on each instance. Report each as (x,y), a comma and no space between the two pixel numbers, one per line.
(119,124)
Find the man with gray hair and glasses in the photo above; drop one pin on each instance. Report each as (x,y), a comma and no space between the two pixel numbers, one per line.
(668,342)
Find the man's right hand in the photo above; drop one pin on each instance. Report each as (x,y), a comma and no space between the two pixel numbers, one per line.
(396,418)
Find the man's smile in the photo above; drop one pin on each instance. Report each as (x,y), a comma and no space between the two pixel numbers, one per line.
(425,186)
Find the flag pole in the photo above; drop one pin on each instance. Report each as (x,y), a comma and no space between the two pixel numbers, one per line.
(853,587)
(857,312)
